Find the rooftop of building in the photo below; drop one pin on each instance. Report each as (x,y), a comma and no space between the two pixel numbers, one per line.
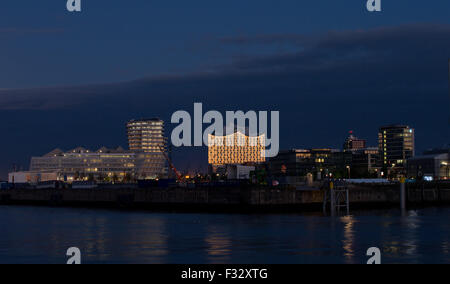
(328,150)
(352,136)
(394,126)
(361,150)
(82,150)
(155,119)
(237,133)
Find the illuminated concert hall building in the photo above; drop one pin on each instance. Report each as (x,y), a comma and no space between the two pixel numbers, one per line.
(235,149)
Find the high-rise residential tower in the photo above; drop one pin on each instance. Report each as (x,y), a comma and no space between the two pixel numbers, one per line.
(146,138)
(396,144)
(146,135)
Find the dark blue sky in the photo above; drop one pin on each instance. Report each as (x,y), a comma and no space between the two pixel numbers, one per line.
(328,67)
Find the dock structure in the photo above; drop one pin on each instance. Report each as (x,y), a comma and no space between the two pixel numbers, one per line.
(237,198)
(338,197)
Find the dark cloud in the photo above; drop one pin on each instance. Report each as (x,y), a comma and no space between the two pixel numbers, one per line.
(52,97)
(274,39)
(330,84)
(374,61)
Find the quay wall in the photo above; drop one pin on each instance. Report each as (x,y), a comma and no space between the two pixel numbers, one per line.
(244,197)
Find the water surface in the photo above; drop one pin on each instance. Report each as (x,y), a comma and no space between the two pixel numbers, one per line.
(43,234)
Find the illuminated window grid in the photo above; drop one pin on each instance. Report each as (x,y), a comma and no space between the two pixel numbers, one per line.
(146,135)
(236,148)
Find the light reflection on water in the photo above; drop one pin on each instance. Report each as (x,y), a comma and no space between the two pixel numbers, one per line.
(42,235)
(219,245)
(349,236)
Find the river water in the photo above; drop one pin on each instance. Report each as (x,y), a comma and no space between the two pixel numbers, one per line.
(43,235)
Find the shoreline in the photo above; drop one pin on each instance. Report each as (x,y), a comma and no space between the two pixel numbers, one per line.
(245,199)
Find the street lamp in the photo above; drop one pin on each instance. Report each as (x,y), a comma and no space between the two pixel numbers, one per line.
(348,168)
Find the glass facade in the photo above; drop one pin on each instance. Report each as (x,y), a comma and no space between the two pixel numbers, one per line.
(236,148)
(436,166)
(146,135)
(300,162)
(144,160)
(83,164)
(146,139)
(396,144)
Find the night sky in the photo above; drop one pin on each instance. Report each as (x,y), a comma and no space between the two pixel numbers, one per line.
(69,80)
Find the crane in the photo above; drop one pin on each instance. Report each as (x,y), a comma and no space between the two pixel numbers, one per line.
(179,176)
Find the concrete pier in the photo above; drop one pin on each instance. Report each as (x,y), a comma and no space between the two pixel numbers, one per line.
(224,199)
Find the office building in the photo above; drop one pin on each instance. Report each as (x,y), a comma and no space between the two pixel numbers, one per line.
(144,160)
(320,163)
(83,164)
(103,165)
(430,167)
(354,143)
(396,144)
(146,135)
(146,139)
(365,163)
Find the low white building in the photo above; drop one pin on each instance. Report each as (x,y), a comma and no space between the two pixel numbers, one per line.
(102,165)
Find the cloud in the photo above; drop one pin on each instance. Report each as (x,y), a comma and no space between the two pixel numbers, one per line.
(362,68)
(341,49)
(48,98)
(272,39)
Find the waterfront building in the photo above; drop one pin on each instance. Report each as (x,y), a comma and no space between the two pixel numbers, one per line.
(146,135)
(146,139)
(144,160)
(321,163)
(354,143)
(103,165)
(430,167)
(236,148)
(365,163)
(83,164)
(290,163)
(396,144)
